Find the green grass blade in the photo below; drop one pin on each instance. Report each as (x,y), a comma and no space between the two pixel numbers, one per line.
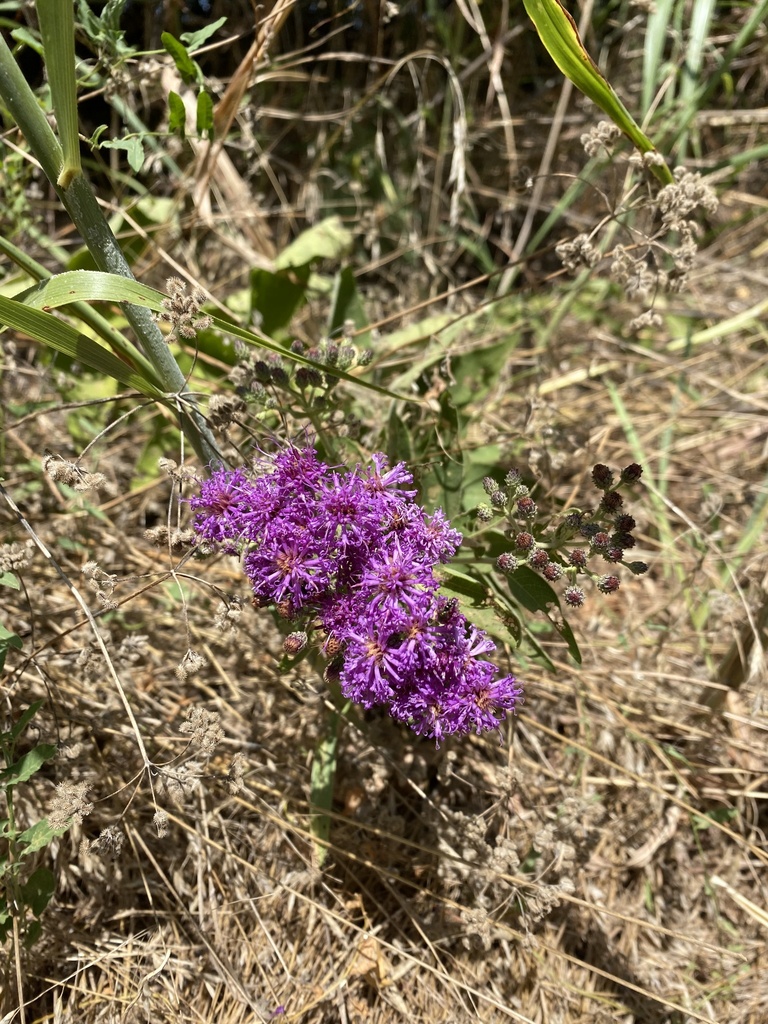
(655,40)
(62,337)
(57,28)
(560,36)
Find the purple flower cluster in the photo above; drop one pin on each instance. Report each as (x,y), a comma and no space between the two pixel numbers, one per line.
(351,551)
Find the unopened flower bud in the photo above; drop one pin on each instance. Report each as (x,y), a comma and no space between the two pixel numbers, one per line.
(484,513)
(552,571)
(295,643)
(527,508)
(611,501)
(631,474)
(608,584)
(573,596)
(578,558)
(638,568)
(506,563)
(538,558)
(524,541)
(602,477)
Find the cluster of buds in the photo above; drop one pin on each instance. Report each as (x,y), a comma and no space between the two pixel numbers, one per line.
(258,377)
(564,547)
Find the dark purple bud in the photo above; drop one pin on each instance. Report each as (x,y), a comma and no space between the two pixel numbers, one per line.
(624,524)
(489,485)
(631,474)
(600,541)
(506,563)
(623,540)
(638,568)
(512,479)
(573,596)
(484,513)
(279,376)
(538,558)
(308,377)
(613,555)
(526,507)
(578,557)
(611,501)
(524,541)
(608,584)
(365,357)
(298,346)
(262,371)
(498,499)
(552,572)
(602,477)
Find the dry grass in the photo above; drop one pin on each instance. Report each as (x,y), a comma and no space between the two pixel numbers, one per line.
(606,863)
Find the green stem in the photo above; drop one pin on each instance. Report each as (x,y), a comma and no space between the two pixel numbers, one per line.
(82,206)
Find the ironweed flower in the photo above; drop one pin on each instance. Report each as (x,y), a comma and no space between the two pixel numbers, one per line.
(352,551)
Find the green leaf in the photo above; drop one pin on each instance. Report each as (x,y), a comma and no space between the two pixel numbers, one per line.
(39,835)
(37,891)
(24,719)
(27,765)
(328,240)
(194,40)
(560,36)
(531,591)
(204,114)
(8,641)
(177,115)
(346,305)
(399,443)
(134,149)
(10,580)
(277,296)
(187,68)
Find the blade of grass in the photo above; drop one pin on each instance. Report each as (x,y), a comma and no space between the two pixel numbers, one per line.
(56,334)
(560,36)
(99,324)
(57,28)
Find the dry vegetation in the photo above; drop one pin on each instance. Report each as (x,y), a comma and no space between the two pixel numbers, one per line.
(606,862)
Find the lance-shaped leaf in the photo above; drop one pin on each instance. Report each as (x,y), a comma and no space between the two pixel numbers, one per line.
(560,36)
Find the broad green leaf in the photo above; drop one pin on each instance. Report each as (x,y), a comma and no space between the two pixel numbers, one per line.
(56,334)
(37,891)
(133,147)
(204,114)
(38,836)
(27,765)
(177,114)
(560,36)
(346,305)
(399,442)
(276,296)
(187,68)
(531,591)
(328,240)
(9,579)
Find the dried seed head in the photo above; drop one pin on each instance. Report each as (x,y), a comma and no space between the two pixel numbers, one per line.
(600,136)
(70,804)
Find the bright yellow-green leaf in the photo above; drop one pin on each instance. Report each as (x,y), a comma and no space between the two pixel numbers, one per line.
(560,36)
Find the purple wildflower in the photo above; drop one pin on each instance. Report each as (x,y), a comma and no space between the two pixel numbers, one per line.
(351,551)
